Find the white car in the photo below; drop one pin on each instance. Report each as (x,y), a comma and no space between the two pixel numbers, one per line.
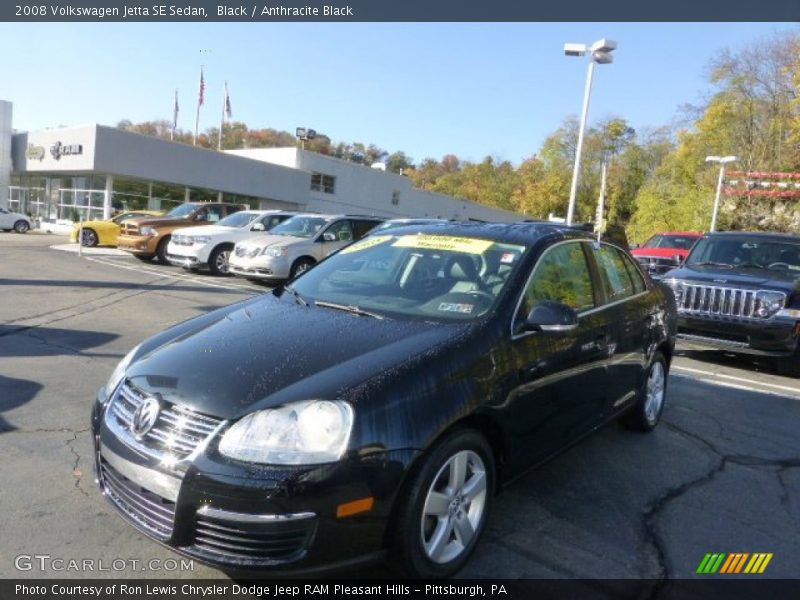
(16,221)
(296,245)
(209,246)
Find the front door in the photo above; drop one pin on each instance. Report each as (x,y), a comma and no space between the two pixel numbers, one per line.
(562,375)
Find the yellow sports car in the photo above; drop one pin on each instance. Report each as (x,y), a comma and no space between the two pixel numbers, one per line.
(105,233)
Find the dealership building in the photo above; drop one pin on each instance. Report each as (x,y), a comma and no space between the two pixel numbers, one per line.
(91,171)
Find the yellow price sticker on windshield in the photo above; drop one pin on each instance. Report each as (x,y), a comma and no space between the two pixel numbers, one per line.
(364,244)
(443,242)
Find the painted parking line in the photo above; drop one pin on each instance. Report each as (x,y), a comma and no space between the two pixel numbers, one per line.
(739,383)
(179,277)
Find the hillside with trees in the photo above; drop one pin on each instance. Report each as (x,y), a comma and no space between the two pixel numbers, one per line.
(657,178)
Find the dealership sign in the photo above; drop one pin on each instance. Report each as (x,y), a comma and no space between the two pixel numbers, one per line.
(34,152)
(58,150)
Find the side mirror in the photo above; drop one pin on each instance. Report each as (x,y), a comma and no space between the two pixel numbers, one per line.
(549,315)
(677,259)
(328,237)
(258,227)
(200,217)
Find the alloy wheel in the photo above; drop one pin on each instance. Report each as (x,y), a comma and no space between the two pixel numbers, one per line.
(454,507)
(654,392)
(221,262)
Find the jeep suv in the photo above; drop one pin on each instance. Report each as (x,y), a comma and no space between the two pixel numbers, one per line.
(146,237)
(296,245)
(740,291)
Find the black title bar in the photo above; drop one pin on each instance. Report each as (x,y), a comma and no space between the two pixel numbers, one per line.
(338,11)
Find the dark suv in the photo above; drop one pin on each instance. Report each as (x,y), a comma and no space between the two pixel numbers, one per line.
(739,291)
(379,400)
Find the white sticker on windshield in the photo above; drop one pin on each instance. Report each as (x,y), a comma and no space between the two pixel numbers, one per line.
(464,309)
(507,258)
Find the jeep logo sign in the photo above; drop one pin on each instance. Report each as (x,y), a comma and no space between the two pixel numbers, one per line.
(58,150)
(34,152)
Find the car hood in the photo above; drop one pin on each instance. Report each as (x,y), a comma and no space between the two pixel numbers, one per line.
(204,230)
(748,278)
(158,221)
(271,239)
(660,252)
(274,351)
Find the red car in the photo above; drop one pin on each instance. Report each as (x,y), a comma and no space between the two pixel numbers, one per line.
(665,251)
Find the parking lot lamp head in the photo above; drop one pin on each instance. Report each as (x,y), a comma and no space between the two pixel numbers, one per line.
(600,53)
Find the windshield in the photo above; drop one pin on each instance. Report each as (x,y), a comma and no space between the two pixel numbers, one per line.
(747,252)
(127,215)
(239,219)
(182,211)
(423,276)
(680,242)
(304,227)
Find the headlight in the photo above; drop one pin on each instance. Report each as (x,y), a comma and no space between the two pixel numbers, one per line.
(119,374)
(201,239)
(276,252)
(148,231)
(678,288)
(768,303)
(301,433)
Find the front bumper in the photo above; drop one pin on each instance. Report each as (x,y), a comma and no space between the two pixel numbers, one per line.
(244,517)
(188,257)
(137,244)
(260,267)
(777,336)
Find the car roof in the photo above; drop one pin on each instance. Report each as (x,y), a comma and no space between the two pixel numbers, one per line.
(524,233)
(763,235)
(684,233)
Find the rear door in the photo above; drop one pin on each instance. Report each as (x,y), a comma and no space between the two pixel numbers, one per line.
(5,219)
(563,375)
(627,306)
(341,230)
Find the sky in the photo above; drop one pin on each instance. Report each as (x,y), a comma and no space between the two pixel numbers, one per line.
(428,89)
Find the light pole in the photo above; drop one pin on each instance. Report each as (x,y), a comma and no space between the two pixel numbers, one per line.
(600,53)
(722,160)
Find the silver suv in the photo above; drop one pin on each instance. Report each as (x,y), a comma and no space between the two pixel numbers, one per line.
(296,245)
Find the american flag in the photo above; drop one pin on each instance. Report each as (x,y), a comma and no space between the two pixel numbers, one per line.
(227,101)
(175,113)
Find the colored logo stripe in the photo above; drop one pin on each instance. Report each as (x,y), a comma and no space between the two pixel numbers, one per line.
(734,562)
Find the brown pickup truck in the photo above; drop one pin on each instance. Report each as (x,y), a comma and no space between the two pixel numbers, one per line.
(146,237)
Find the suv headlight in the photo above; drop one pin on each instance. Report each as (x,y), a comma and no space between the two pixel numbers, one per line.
(148,231)
(275,252)
(677,286)
(201,239)
(118,374)
(768,303)
(301,433)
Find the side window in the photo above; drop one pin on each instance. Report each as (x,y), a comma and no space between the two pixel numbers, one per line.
(635,274)
(562,274)
(343,230)
(360,228)
(613,273)
(213,214)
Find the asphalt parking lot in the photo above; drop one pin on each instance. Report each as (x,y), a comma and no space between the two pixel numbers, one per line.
(720,474)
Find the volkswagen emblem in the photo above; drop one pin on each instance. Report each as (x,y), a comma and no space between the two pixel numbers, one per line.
(145,417)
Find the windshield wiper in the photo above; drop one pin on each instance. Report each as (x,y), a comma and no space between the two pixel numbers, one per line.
(296,295)
(749,265)
(709,263)
(349,308)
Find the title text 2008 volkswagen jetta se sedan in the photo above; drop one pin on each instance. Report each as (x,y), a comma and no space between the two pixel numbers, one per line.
(378,401)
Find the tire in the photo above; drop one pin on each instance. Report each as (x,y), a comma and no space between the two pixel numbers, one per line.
(646,413)
(144,257)
(789,366)
(21,226)
(438,526)
(161,250)
(300,266)
(89,238)
(218,261)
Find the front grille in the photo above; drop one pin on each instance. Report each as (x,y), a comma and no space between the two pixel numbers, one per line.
(177,431)
(657,264)
(279,540)
(142,506)
(130,228)
(711,300)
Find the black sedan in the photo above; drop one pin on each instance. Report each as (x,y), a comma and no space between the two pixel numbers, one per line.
(376,404)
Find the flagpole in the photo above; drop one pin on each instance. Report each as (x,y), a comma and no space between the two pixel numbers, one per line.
(222,116)
(199,104)
(174,118)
